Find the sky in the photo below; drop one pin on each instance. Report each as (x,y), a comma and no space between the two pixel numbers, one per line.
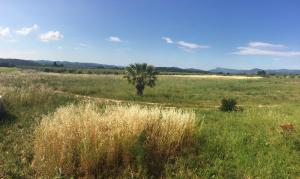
(203,34)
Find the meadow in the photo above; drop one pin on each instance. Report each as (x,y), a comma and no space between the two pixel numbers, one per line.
(7,69)
(242,144)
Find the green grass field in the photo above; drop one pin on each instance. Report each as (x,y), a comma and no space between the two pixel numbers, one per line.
(7,69)
(243,144)
(181,91)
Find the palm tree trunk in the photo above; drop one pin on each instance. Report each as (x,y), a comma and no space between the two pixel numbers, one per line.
(139,90)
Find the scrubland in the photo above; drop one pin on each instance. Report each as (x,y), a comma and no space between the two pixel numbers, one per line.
(50,128)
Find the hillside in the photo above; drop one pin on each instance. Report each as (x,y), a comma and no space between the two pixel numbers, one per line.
(6,62)
(254,71)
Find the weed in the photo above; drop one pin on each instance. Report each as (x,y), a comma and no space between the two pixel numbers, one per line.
(228,105)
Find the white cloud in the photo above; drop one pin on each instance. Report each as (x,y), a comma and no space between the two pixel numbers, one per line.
(4,31)
(168,40)
(264,52)
(51,35)
(188,45)
(266,49)
(265,45)
(27,30)
(114,39)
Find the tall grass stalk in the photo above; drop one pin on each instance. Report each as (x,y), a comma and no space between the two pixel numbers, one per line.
(83,140)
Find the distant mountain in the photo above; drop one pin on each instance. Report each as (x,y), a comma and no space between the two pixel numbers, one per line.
(283,71)
(234,71)
(17,62)
(253,71)
(77,64)
(47,63)
(67,64)
(177,69)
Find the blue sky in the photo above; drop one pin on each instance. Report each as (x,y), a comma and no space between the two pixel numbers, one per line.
(201,34)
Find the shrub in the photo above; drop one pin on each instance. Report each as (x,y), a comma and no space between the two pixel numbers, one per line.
(83,141)
(3,112)
(262,73)
(228,105)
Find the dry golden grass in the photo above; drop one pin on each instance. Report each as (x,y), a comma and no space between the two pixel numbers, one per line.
(232,77)
(85,141)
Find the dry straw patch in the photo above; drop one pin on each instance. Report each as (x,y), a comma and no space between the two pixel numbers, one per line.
(232,77)
(82,140)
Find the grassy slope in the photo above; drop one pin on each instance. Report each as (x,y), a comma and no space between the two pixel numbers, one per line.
(231,145)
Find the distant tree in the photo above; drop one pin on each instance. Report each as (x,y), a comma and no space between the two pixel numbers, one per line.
(141,75)
(55,64)
(5,64)
(100,67)
(261,73)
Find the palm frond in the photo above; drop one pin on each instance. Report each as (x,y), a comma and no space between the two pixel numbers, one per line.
(141,74)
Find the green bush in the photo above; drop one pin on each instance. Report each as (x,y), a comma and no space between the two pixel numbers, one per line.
(261,73)
(228,105)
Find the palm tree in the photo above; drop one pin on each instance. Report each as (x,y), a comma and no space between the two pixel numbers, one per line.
(141,75)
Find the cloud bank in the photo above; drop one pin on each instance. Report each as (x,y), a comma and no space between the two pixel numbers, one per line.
(266,49)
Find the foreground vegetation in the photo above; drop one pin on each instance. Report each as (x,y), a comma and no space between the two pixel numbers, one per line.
(84,141)
(240,144)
